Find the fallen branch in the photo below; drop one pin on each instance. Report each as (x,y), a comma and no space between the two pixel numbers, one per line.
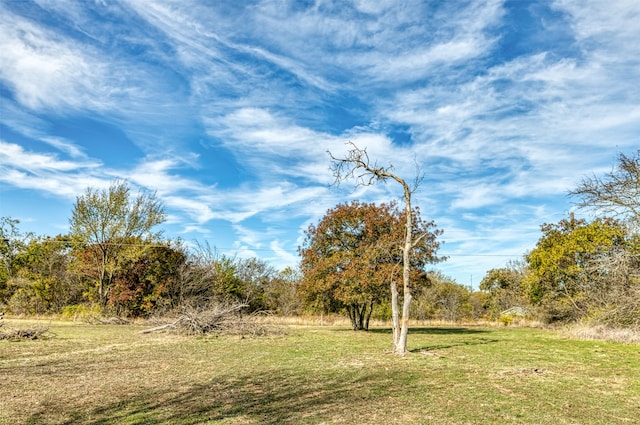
(161,327)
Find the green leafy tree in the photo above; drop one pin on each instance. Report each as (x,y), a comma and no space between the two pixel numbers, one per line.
(352,255)
(255,276)
(12,242)
(105,220)
(559,280)
(504,289)
(281,294)
(143,283)
(46,285)
(478,301)
(226,284)
(443,299)
(453,301)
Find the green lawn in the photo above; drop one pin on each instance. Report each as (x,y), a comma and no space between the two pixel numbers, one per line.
(105,374)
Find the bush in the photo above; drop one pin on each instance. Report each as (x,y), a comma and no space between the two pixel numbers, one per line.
(505,319)
(81,312)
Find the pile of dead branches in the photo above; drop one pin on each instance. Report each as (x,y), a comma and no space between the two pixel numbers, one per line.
(214,319)
(30,333)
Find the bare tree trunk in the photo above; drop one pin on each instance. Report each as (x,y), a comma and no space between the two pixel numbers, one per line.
(352,317)
(401,346)
(395,314)
(361,314)
(366,324)
(102,298)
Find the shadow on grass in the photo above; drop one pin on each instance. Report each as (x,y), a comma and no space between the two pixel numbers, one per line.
(279,397)
(445,331)
(477,341)
(434,331)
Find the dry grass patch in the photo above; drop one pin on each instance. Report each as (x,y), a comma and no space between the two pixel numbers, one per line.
(603,333)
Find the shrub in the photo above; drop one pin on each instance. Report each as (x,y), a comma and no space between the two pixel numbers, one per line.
(505,319)
(81,312)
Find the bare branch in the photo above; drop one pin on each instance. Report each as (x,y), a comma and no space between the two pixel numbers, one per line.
(357,165)
(617,193)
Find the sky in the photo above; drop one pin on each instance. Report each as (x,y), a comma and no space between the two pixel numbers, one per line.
(227,109)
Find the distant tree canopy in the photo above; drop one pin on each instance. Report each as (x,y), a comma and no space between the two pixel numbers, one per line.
(12,242)
(583,270)
(109,220)
(442,298)
(113,262)
(44,280)
(504,289)
(145,281)
(350,257)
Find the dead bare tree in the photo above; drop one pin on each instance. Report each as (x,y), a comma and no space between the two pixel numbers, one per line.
(615,194)
(613,293)
(357,165)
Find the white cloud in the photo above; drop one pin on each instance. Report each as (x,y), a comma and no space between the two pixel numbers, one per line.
(277,84)
(65,146)
(36,163)
(284,257)
(45,71)
(611,26)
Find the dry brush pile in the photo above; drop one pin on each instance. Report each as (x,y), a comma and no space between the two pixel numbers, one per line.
(216,319)
(17,334)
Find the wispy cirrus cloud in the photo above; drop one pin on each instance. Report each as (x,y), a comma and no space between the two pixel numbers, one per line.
(44,71)
(45,172)
(503,106)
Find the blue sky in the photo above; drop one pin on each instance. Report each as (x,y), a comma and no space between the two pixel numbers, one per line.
(227,109)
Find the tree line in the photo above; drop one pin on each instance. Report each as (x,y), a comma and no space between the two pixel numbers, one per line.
(113,261)
(582,270)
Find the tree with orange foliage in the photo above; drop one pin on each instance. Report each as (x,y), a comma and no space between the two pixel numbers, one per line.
(357,165)
(352,256)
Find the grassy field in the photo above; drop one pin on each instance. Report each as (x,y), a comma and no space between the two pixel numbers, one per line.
(104,374)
